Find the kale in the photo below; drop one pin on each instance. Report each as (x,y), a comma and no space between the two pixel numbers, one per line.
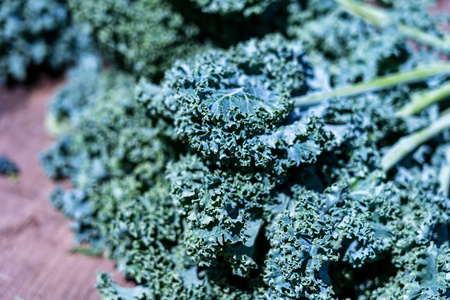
(230,105)
(109,128)
(146,37)
(78,95)
(7,167)
(296,167)
(246,7)
(340,34)
(222,212)
(37,35)
(143,37)
(417,25)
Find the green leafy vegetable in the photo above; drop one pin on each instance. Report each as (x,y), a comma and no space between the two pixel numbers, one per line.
(143,37)
(7,167)
(380,17)
(37,35)
(233,6)
(218,183)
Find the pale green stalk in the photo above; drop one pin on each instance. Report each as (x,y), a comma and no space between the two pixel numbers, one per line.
(376,84)
(425,38)
(444,174)
(407,144)
(380,17)
(371,14)
(422,100)
(445,111)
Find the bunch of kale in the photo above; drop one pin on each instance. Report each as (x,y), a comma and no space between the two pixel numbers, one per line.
(224,180)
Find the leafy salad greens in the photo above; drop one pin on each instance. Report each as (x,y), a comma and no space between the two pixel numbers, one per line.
(305,158)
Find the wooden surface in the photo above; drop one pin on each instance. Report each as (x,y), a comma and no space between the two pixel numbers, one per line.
(34,237)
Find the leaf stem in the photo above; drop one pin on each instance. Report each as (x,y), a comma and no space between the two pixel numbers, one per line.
(376,84)
(439,43)
(406,144)
(422,100)
(371,14)
(444,174)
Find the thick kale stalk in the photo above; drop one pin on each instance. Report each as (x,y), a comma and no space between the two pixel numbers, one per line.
(444,174)
(389,81)
(406,144)
(422,100)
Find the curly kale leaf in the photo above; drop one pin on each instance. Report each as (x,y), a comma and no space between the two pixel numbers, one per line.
(303,243)
(144,37)
(130,217)
(111,138)
(301,142)
(147,234)
(160,107)
(321,237)
(222,211)
(415,24)
(109,290)
(232,6)
(424,274)
(230,105)
(233,104)
(78,95)
(75,206)
(341,41)
(37,34)
(7,166)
